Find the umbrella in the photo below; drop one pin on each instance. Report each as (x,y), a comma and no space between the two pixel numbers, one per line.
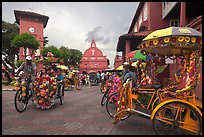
(139,55)
(131,54)
(120,67)
(134,63)
(172,41)
(62,67)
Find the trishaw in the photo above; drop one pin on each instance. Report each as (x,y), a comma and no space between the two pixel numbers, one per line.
(76,81)
(43,92)
(174,108)
(93,78)
(111,86)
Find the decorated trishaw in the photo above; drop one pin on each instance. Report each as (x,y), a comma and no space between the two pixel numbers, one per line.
(174,108)
(41,90)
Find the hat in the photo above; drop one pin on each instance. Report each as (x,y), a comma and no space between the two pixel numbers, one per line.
(28,58)
(125,63)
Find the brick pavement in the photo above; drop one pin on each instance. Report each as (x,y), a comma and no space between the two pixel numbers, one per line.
(81,114)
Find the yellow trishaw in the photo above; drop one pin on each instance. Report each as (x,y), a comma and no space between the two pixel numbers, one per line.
(174,108)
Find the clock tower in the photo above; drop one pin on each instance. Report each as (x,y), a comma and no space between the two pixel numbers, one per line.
(34,24)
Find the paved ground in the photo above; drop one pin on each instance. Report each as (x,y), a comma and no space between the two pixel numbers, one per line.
(81,114)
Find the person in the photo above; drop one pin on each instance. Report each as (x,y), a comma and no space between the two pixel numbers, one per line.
(43,73)
(103,79)
(60,81)
(130,74)
(125,67)
(29,69)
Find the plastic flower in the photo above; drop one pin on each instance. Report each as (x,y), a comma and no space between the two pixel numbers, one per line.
(193,39)
(17,88)
(180,38)
(23,89)
(155,42)
(166,39)
(16,84)
(187,39)
(23,94)
(173,39)
(198,40)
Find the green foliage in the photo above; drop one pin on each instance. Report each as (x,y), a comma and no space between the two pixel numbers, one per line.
(51,48)
(19,62)
(26,40)
(5,82)
(13,82)
(9,31)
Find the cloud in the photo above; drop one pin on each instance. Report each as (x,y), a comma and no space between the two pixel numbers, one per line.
(99,34)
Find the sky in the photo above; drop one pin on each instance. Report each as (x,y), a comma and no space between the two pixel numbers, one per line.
(75,24)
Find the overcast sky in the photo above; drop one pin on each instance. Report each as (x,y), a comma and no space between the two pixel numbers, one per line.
(74,24)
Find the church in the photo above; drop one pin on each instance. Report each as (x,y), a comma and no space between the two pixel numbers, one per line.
(93,59)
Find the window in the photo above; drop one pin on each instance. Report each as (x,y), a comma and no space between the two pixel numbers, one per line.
(174,23)
(27,52)
(145,12)
(140,19)
(135,28)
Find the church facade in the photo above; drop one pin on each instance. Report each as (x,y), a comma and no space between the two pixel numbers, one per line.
(93,60)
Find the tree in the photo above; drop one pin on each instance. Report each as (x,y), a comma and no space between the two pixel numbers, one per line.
(51,48)
(9,31)
(76,56)
(26,40)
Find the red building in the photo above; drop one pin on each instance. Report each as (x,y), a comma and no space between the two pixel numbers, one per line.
(93,59)
(151,16)
(34,24)
(118,61)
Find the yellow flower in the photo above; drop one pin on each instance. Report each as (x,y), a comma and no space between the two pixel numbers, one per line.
(180,38)
(166,39)
(23,89)
(41,86)
(193,39)
(187,39)
(155,42)
(16,84)
(23,83)
(201,42)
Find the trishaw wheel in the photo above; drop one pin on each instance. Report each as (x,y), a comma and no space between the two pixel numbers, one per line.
(20,102)
(78,85)
(177,118)
(105,97)
(112,105)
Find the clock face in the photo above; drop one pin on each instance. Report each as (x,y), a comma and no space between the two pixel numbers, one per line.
(31,29)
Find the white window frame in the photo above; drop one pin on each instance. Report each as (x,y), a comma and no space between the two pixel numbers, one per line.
(140,19)
(145,13)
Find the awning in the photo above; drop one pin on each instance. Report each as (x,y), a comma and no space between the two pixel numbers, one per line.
(137,37)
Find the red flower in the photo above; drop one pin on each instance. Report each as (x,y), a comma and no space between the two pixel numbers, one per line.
(173,39)
(151,43)
(160,41)
(198,40)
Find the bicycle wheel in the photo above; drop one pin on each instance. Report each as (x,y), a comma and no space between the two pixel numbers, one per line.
(105,97)
(177,118)
(78,85)
(20,102)
(112,105)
